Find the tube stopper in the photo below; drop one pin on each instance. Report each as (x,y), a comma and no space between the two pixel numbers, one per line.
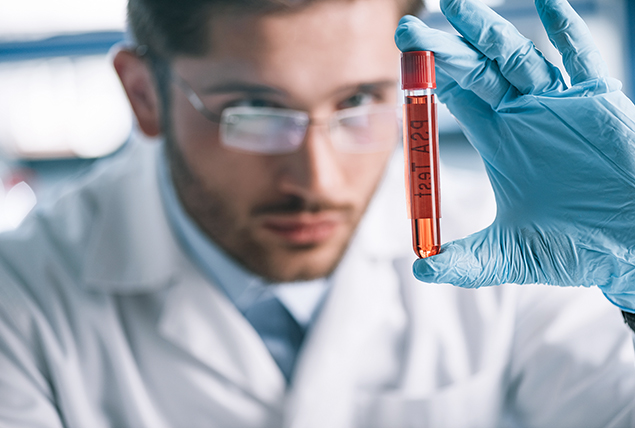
(417,70)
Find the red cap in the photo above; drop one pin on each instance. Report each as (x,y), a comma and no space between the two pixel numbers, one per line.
(417,70)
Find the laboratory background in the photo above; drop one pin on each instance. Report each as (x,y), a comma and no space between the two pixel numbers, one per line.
(62,107)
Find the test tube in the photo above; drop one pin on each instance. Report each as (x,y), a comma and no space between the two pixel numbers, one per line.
(421,151)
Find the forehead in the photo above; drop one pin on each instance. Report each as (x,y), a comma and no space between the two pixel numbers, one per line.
(318,47)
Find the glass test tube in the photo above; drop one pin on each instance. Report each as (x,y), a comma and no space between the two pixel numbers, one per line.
(421,151)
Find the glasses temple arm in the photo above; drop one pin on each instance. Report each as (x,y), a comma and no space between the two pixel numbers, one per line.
(194,99)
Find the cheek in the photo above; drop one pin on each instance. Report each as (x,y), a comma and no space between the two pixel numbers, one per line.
(364,171)
(228,177)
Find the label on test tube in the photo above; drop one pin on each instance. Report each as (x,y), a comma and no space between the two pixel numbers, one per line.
(421,150)
(422,158)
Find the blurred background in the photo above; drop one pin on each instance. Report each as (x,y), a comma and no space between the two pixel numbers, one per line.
(62,108)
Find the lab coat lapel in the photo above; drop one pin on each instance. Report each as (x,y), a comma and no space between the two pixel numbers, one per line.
(357,336)
(200,319)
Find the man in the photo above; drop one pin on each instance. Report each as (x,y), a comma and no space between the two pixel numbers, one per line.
(225,277)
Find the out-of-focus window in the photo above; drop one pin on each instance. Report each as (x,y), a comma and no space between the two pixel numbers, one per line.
(61,107)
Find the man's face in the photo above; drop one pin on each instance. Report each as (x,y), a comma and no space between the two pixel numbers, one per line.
(285,217)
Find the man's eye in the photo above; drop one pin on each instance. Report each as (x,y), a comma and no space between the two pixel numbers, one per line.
(359,99)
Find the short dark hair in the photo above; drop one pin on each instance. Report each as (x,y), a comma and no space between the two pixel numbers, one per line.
(170,27)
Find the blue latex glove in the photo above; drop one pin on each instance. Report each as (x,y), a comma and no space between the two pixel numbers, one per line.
(561,160)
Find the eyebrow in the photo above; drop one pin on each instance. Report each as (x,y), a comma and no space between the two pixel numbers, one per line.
(233,87)
(366,87)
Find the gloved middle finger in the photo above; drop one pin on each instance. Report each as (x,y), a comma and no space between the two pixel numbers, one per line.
(517,57)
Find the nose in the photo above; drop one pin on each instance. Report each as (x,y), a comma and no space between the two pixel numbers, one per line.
(316,171)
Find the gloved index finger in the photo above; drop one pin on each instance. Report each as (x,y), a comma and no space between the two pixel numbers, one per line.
(570,35)
(467,66)
(517,58)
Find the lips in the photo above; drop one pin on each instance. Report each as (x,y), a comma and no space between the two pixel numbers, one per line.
(303,229)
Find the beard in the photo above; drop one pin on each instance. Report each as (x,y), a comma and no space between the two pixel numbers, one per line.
(218,218)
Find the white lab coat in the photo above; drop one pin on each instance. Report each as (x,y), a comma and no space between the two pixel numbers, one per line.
(104,322)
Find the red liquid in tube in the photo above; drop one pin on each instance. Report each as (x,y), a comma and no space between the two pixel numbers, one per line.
(421,151)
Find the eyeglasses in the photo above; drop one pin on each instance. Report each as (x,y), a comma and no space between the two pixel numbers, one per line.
(266,130)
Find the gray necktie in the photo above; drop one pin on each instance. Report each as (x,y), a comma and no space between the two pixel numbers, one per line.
(278,329)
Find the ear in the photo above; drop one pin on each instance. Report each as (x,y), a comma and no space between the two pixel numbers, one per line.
(138,82)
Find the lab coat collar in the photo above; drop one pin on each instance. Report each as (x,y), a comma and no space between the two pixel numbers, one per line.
(131,247)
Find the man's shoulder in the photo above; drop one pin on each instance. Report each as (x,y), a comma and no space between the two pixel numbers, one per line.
(48,250)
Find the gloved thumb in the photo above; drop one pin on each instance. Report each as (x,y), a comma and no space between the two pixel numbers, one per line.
(470,262)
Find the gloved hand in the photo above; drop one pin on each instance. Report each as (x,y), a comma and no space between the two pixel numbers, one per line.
(561,160)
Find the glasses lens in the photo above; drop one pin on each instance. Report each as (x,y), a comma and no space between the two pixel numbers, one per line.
(365,129)
(263,130)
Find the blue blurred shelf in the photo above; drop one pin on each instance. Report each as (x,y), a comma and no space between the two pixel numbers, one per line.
(92,43)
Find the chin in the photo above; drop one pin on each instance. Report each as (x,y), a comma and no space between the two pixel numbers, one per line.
(296,264)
